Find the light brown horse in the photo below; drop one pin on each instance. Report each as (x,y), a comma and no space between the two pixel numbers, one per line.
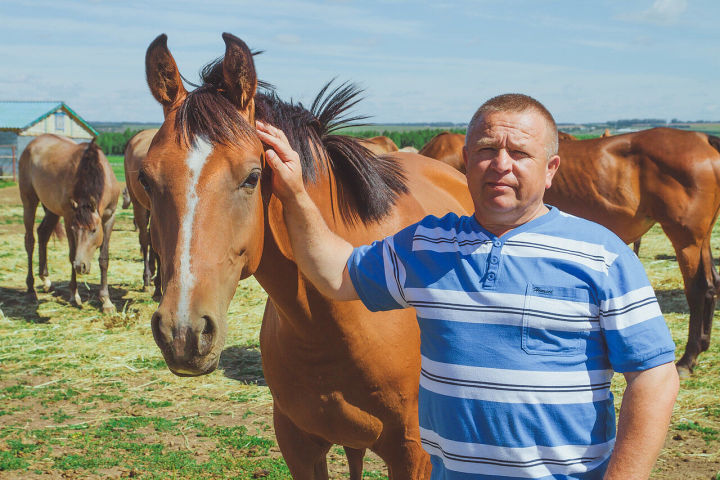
(338,373)
(74,182)
(446,147)
(379,145)
(630,182)
(135,152)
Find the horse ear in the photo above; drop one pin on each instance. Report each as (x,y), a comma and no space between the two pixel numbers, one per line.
(93,204)
(239,73)
(163,76)
(73,204)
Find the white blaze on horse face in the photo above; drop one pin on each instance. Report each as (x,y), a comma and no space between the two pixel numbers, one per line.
(195,161)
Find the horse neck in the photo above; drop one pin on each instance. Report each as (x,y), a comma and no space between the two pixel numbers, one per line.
(277,272)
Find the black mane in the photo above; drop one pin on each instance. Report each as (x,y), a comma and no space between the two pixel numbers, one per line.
(367,185)
(89,185)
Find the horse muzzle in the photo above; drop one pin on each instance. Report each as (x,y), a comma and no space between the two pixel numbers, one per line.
(81,268)
(189,348)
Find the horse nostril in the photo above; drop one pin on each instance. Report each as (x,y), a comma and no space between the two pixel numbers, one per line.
(157,331)
(205,340)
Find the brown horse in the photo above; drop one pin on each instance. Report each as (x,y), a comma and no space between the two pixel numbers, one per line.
(446,147)
(338,373)
(566,136)
(379,145)
(630,182)
(135,153)
(74,182)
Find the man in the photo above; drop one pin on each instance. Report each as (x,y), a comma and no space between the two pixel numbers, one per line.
(524,313)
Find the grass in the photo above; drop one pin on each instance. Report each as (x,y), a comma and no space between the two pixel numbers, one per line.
(84,394)
(117,163)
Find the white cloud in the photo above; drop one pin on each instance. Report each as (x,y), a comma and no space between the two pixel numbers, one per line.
(662,12)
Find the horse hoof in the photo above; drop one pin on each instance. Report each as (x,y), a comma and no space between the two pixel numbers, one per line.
(683,372)
(32,295)
(109,309)
(47,284)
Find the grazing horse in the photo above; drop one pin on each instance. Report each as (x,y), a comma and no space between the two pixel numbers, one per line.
(338,373)
(74,182)
(135,152)
(379,145)
(630,182)
(446,147)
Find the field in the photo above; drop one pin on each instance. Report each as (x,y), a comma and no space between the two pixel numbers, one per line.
(87,395)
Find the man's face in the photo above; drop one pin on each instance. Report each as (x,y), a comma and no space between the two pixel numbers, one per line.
(507,166)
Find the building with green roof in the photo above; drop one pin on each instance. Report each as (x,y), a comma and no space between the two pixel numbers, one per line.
(21,122)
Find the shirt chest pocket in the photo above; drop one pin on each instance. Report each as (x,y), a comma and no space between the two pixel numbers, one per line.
(557,320)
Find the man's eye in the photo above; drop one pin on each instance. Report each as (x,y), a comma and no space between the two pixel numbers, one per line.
(251,180)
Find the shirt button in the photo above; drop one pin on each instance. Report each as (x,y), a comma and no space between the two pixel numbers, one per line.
(494,260)
(497,243)
(491,275)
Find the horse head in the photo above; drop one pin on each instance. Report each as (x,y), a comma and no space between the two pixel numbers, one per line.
(85,223)
(202,176)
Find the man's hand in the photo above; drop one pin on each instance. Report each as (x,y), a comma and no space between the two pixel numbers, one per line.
(320,253)
(285,162)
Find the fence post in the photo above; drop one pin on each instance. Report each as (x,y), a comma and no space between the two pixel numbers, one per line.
(13,162)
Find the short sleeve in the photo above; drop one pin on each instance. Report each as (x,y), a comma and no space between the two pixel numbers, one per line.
(635,330)
(378,271)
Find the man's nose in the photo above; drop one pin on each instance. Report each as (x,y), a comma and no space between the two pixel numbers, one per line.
(502,161)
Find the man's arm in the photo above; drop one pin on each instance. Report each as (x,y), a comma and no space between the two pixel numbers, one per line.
(321,255)
(643,422)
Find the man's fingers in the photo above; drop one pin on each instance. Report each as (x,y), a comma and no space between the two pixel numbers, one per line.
(273,159)
(280,145)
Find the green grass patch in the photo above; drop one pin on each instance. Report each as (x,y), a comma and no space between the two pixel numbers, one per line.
(708,433)
(150,403)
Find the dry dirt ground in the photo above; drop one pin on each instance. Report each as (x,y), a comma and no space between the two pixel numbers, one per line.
(86,395)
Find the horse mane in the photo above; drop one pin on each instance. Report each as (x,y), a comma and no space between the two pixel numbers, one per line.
(89,185)
(367,185)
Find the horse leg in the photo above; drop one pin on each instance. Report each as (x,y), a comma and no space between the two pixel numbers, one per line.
(155,268)
(30,202)
(74,295)
(710,296)
(45,230)
(141,220)
(696,266)
(103,261)
(403,454)
(355,457)
(636,247)
(304,454)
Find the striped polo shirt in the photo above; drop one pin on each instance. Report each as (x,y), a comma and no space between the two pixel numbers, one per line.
(520,335)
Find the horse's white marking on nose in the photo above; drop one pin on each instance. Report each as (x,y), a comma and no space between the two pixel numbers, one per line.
(195,161)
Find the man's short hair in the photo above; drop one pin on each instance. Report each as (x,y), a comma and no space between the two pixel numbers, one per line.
(517,102)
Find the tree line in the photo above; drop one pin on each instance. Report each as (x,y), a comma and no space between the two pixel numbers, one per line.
(113,143)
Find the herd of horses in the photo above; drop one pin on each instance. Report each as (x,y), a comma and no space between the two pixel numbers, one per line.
(206,216)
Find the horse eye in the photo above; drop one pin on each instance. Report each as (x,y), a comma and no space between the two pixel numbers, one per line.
(142,178)
(252,180)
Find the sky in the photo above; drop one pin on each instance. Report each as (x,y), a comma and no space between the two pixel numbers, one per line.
(417,61)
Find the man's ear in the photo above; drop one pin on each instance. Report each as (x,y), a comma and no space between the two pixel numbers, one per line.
(552,167)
